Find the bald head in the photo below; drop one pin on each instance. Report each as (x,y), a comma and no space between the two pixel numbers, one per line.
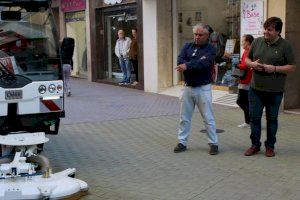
(121,34)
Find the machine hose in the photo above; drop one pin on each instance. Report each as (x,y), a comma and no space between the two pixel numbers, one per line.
(41,160)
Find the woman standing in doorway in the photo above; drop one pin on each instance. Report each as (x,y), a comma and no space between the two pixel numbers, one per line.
(243,86)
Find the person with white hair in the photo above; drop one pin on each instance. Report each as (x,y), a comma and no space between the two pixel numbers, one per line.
(196,60)
(122,52)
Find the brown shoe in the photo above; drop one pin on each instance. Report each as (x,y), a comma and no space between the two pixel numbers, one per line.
(252,150)
(269,152)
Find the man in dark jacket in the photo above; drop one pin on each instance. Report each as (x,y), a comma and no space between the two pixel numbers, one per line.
(196,61)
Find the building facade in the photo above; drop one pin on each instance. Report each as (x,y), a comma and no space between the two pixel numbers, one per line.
(164,26)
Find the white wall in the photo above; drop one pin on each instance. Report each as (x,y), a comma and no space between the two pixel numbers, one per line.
(150,46)
(176,75)
(88,40)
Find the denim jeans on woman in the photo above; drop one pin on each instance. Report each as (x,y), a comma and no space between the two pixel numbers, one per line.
(202,97)
(257,101)
(126,69)
(66,74)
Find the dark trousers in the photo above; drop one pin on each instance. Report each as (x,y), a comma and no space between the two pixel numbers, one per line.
(135,68)
(257,101)
(243,102)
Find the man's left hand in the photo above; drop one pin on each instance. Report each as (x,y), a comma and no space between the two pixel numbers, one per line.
(269,68)
(181,67)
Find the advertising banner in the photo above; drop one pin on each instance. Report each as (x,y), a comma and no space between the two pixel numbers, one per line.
(252,17)
(72,5)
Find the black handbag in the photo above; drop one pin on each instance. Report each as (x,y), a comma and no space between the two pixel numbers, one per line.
(238,73)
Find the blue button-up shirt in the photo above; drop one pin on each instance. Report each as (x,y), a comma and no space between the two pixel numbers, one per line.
(199,61)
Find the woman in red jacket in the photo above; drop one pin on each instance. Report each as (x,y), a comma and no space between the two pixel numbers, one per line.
(244,83)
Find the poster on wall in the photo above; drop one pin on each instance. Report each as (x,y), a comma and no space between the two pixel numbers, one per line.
(230,46)
(252,17)
(198,16)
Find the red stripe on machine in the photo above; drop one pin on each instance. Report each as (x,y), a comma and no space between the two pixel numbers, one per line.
(51,105)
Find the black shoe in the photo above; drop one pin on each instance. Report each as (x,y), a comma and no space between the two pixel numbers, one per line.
(214,150)
(179,148)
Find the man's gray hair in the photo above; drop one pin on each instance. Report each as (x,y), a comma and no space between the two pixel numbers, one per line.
(202,26)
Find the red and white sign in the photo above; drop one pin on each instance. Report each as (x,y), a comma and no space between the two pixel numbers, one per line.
(51,105)
(252,17)
(72,5)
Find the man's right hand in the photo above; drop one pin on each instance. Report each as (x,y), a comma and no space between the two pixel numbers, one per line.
(181,67)
(257,66)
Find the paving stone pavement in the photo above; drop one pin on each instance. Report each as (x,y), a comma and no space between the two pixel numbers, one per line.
(121,143)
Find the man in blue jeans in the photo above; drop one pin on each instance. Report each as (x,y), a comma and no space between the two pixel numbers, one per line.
(196,60)
(122,52)
(271,58)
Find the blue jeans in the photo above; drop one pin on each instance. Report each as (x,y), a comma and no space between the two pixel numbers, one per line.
(66,75)
(257,101)
(202,97)
(126,68)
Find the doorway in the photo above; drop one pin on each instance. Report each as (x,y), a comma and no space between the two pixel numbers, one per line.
(76,28)
(292,86)
(113,21)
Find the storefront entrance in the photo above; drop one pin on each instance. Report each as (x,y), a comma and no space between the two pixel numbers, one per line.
(114,19)
(76,28)
(113,23)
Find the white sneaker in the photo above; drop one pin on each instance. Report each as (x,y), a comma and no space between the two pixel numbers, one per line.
(244,125)
(134,83)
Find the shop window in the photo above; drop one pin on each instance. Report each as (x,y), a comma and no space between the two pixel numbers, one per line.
(76,28)
(224,17)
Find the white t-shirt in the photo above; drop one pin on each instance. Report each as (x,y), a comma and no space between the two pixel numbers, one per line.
(122,47)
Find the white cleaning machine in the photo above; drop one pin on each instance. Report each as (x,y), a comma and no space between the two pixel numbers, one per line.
(31,103)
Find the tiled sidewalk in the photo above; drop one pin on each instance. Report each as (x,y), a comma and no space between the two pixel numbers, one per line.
(121,142)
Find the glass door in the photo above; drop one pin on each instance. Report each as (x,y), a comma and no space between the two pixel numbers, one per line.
(114,22)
